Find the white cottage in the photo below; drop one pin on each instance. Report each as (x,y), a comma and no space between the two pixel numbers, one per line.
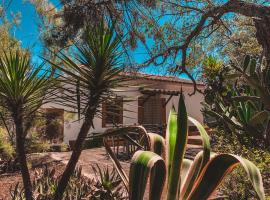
(151,98)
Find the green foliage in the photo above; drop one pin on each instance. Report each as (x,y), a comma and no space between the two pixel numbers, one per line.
(106,185)
(36,144)
(6,148)
(240,104)
(211,67)
(177,177)
(96,68)
(23,86)
(236,185)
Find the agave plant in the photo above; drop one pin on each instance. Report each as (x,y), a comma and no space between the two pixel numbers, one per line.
(244,113)
(173,177)
(244,108)
(88,81)
(24,88)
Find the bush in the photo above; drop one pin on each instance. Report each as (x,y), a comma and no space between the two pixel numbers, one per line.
(237,186)
(106,185)
(6,149)
(36,144)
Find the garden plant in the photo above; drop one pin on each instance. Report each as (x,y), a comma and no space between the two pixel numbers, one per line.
(174,177)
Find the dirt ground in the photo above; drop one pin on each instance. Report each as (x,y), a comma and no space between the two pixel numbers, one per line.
(58,161)
(9,180)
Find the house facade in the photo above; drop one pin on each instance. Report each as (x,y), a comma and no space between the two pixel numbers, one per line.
(145,100)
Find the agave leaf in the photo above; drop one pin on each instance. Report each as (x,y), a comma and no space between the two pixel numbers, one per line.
(156,144)
(259,118)
(142,164)
(191,176)
(215,171)
(205,140)
(185,168)
(176,143)
(226,119)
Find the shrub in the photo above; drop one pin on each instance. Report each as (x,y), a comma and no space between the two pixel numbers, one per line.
(106,185)
(6,149)
(36,144)
(176,177)
(236,186)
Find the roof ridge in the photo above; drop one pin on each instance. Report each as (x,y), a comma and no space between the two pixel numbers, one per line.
(160,77)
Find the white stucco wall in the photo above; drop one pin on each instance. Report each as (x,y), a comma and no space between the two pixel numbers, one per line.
(72,127)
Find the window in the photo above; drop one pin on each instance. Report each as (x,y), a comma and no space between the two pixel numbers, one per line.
(112,112)
(54,124)
(151,110)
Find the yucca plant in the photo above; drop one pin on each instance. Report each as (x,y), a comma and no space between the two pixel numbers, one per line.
(88,81)
(173,177)
(24,87)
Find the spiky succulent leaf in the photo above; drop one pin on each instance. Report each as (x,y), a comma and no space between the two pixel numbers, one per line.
(176,143)
(215,171)
(156,144)
(143,164)
(205,140)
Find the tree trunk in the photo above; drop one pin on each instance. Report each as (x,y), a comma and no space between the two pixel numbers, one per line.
(77,149)
(20,149)
(263,36)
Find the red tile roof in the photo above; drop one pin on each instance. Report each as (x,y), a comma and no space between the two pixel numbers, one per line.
(159,78)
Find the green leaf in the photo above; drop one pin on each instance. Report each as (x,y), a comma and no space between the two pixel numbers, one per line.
(185,168)
(191,176)
(177,134)
(215,171)
(157,144)
(205,140)
(144,163)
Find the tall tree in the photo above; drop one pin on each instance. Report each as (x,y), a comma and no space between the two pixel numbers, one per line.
(92,75)
(181,31)
(23,89)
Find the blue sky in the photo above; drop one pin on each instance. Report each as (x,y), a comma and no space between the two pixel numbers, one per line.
(28,32)
(29,35)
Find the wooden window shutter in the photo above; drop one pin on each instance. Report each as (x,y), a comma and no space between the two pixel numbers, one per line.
(140,110)
(119,111)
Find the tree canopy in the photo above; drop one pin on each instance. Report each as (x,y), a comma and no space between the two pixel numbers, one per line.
(174,34)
